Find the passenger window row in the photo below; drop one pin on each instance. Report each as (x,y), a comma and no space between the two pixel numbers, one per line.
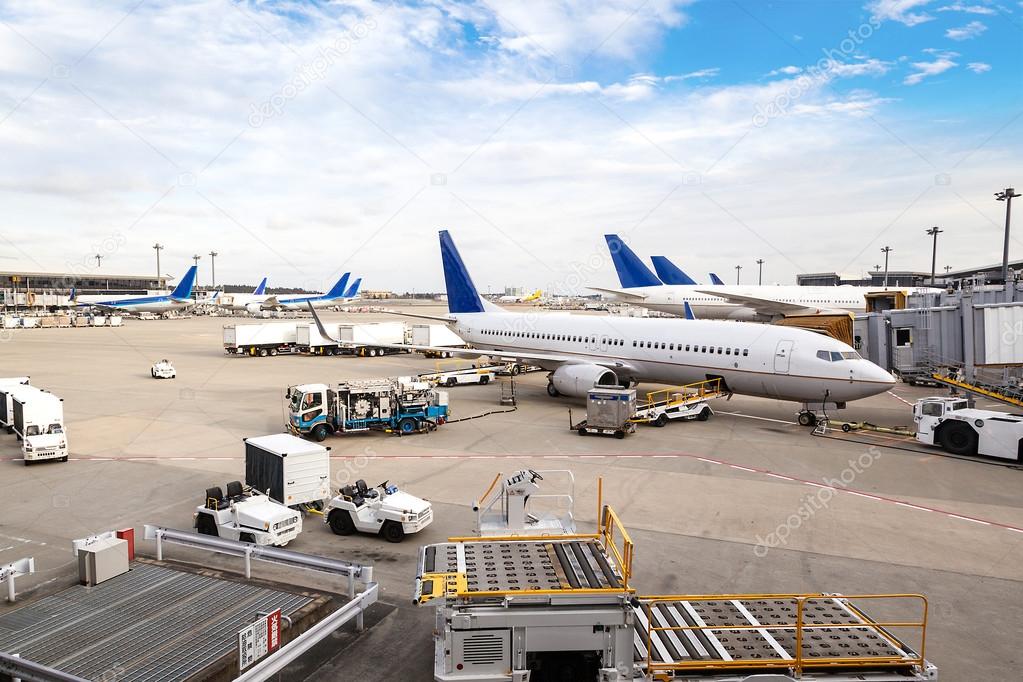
(607,341)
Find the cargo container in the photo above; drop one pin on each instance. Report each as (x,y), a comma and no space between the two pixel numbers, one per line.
(291,470)
(271,338)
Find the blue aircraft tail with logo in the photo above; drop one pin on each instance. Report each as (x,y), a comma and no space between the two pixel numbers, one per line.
(354,289)
(690,315)
(261,289)
(463,297)
(669,273)
(184,288)
(714,279)
(631,271)
(338,290)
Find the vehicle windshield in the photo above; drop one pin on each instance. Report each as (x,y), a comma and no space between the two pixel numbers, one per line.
(835,356)
(296,401)
(55,428)
(32,430)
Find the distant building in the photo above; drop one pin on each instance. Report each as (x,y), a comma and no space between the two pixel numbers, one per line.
(93,282)
(896,278)
(376,294)
(989,274)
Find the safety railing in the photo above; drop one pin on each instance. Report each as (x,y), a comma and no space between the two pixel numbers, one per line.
(610,527)
(699,390)
(797,661)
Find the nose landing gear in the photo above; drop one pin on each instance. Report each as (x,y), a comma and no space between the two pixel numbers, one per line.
(807,418)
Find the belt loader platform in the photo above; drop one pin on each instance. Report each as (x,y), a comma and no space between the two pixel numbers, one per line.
(559,607)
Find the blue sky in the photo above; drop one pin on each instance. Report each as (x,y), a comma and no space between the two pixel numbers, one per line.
(300,140)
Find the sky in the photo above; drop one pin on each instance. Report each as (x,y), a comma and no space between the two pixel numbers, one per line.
(300,140)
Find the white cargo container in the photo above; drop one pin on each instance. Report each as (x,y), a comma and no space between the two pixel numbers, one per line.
(39,423)
(8,385)
(309,339)
(436,335)
(264,339)
(371,338)
(289,469)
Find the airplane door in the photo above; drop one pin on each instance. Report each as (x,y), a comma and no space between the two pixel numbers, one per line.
(781,357)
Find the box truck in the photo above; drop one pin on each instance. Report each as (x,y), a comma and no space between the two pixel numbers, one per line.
(308,339)
(371,338)
(436,335)
(270,338)
(291,470)
(39,424)
(8,385)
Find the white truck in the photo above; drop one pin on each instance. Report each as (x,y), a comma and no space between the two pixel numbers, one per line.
(270,338)
(7,387)
(389,512)
(309,339)
(371,338)
(291,470)
(38,421)
(163,369)
(456,377)
(436,335)
(246,515)
(957,428)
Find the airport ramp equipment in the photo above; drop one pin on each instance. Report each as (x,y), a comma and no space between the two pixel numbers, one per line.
(1005,394)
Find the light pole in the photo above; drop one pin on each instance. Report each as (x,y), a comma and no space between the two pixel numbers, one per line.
(195,259)
(99,260)
(1006,195)
(737,269)
(158,247)
(947,268)
(886,250)
(213,267)
(760,275)
(934,232)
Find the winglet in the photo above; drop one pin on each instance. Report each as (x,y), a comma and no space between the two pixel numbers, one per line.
(261,289)
(462,294)
(669,273)
(338,290)
(689,310)
(319,324)
(714,279)
(354,289)
(631,271)
(184,288)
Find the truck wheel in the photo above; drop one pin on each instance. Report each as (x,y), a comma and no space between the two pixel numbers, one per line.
(246,537)
(263,352)
(846,428)
(619,434)
(958,438)
(341,522)
(28,462)
(273,351)
(551,390)
(392,531)
(582,431)
(319,433)
(451,382)
(408,425)
(205,525)
(704,415)
(484,380)
(515,370)
(662,420)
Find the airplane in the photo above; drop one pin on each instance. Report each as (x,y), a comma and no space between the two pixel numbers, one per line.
(723,301)
(178,299)
(337,295)
(249,302)
(535,296)
(583,351)
(669,273)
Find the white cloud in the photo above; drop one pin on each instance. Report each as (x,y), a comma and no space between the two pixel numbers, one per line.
(867,67)
(967,32)
(978,67)
(927,69)
(786,71)
(899,10)
(968,9)
(699,75)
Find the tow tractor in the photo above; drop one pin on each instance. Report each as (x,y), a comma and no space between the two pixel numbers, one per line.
(389,512)
(957,428)
(456,377)
(163,370)
(246,515)
(400,405)
(553,606)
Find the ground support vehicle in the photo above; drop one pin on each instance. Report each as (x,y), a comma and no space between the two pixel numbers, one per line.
(389,512)
(685,403)
(457,377)
(246,515)
(514,505)
(163,370)
(38,421)
(8,385)
(308,339)
(398,405)
(609,412)
(372,339)
(436,335)
(269,338)
(289,469)
(953,425)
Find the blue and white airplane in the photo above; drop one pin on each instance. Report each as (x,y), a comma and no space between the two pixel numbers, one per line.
(250,302)
(179,299)
(338,295)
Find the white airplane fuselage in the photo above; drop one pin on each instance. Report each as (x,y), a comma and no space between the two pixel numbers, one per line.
(752,359)
(140,304)
(239,302)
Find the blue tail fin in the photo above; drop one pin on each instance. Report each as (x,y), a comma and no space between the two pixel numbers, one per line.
(354,289)
(462,294)
(338,290)
(669,273)
(261,289)
(74,294)
(184,287)
(714,279)
(689,310)
(631,271)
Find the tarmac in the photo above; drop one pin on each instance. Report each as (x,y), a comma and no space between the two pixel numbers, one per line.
(747,502)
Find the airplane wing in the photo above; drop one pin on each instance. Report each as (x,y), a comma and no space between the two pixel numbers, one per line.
(767,306)
(621,293)
(269,302)
(422,316)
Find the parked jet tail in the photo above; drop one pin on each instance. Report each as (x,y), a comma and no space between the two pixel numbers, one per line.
(261,289)
(463,296)
(669,273)
(338,290)
(184,288)
(714,279)
(354,289)
(690,315)
(631,271)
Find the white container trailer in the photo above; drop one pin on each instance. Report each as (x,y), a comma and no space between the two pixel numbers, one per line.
(289,469)
(372,338)
(7,387)
(309,339)
(270,338)
(437,335)
(39,423)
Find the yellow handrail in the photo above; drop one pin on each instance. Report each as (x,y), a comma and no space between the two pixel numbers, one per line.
(699,389)
(489,490)
(976,389)
(798,662)
(608,522)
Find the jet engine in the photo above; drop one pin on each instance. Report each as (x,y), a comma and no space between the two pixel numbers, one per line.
(576,380)
(253,308)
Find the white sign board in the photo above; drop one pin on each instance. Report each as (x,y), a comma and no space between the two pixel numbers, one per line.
(257,640)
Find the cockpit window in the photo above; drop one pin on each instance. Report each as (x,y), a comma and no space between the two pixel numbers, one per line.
(835,356)
(824,355)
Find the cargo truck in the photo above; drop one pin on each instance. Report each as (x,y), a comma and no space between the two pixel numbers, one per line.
(7,387)
(290,470)
(39,424)
(270,338)
(308,339)
(372,338)
(436,335)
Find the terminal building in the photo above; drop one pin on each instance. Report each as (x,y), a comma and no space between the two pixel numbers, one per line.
(21,288)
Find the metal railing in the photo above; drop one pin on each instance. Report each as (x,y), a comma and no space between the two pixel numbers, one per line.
(15,667)
(700,390)
(797,662)
(609,523)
